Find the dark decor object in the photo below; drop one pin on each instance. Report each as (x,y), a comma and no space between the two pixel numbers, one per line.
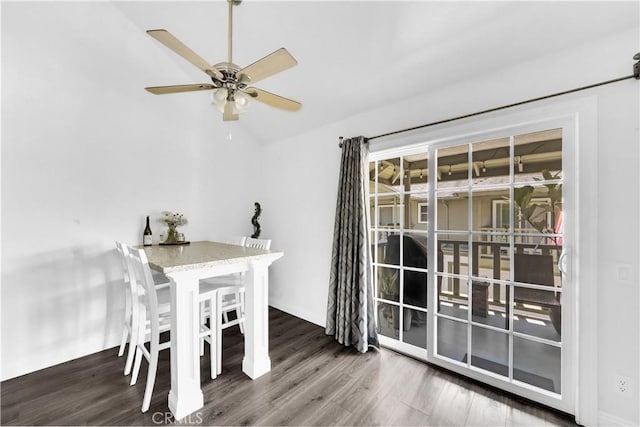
(479,298)
(254,221)
(414,255)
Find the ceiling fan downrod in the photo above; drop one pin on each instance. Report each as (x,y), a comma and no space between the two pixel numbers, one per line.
(230,29)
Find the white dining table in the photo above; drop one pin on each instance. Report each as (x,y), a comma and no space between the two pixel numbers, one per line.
(185,265)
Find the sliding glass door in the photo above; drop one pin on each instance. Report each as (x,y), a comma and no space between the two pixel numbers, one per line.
(399,212)
(468,237)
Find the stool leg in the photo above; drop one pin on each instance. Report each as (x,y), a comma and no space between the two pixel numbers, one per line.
(125,337)
(218,326)
(135,339)
(126,329)
(130,354)
(151,374)
(136,367)
(213,348)
(203,319)
(139,342)
(240,310)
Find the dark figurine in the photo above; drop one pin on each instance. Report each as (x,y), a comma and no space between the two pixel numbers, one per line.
(254,221)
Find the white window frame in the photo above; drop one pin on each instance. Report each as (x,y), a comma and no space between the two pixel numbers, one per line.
(420,212)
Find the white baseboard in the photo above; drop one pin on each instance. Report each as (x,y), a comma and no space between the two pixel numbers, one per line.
(607,419)
(28,365)
(295,311)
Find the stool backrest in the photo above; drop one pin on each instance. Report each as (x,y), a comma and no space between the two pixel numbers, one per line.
(250,242)
(124,253)
(140,274)
(130,294)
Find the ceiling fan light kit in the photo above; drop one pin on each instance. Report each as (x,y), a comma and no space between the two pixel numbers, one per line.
(231,94)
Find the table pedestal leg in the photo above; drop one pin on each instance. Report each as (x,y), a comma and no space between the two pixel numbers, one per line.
(185,396)
(256,360)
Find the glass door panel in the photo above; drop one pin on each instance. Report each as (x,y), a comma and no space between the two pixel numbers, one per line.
(491,256)
(451,338)
(480,227)
(453,254)
(483,310)
(388,176)
(415,327)
(389,284)
(416,170)
(389,212)
(450,302)
(388,320)
(453,167)
(490,350)
(451,210)
(538,313)
(504,200)
(491,162)
(418,218)
(482,208)
(538,265)
(401,195)
(537,364)
(537,152)
(415,288)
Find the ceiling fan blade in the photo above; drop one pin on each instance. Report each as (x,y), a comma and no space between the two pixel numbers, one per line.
(170,41)
(228,115)
(271,64)
(162,90)
(273,100)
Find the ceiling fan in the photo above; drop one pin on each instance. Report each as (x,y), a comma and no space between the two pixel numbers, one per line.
(230,83)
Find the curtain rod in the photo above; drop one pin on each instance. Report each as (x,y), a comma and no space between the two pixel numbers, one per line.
(636,75)
(503,107)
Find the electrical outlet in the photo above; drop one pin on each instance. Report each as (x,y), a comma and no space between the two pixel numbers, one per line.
(624,273)
(624,386)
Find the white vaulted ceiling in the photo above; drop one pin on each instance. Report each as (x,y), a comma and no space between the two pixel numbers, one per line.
(356,55)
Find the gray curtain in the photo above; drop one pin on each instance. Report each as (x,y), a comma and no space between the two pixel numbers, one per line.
(350,315)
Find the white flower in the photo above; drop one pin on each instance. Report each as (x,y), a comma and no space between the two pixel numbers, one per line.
(173,219)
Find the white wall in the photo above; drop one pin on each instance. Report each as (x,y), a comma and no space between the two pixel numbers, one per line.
(86,154)
(300,195)
(303,215)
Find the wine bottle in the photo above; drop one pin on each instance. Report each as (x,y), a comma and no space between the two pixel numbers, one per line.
(146,237)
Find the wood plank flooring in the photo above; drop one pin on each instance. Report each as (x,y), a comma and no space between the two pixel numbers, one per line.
(313,381)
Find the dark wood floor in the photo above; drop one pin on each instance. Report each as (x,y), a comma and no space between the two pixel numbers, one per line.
(313,381)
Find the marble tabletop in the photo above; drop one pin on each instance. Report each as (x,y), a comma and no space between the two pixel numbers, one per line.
(172,258)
